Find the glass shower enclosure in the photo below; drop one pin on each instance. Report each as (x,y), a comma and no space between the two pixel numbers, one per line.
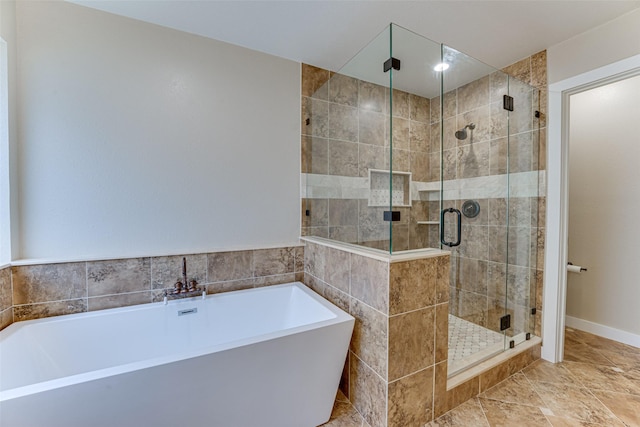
(414,145)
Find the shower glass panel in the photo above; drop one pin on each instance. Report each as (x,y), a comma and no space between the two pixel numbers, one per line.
(415,145)
(415,149)
(523,200)
(346,130)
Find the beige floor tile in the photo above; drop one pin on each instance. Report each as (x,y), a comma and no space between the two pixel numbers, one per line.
(598,377)
(628,360)
(541,370)
(581,352)
(515,389)
(469,414)
(344,415)
(625,406)
(503,414)
(601,343)
(568,422)
(572,402)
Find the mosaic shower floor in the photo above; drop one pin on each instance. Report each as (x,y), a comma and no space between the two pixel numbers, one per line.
(470,344)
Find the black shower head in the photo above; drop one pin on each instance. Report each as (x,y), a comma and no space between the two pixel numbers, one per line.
(462,133)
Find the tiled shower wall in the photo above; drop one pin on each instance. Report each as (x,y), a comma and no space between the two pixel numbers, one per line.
(335,143)
(45,290)
(345,132)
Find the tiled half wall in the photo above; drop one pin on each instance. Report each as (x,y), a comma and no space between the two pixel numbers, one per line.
(44,290)
(395,373)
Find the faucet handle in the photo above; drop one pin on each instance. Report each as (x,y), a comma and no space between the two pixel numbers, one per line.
(193,285)
(177,287)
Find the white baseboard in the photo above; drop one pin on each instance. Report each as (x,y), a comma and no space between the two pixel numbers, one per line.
(603,331)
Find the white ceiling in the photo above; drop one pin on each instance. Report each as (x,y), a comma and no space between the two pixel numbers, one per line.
(328,33)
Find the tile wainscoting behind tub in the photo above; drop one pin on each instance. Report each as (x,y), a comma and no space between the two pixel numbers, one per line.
(6,304)
(45,290)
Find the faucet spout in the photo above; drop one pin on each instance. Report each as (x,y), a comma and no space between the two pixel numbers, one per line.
(185,283)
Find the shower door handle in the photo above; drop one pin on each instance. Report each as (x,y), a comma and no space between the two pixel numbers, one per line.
(459,226)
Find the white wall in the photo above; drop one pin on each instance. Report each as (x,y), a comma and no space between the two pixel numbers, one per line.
(140,140)
(604,204)
(9,219)
(608,43)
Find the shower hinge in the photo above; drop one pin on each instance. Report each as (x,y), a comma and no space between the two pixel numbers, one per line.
(533,310)
(505,322)
(307,212)
(391,63)
(528,336)
(507,102)
(512,344)
(391,216)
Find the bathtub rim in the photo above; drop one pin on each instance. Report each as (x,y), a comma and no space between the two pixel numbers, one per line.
(340,316)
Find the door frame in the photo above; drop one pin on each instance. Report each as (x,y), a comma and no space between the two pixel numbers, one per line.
(556,244)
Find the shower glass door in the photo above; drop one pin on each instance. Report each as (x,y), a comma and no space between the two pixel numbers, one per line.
(475,211)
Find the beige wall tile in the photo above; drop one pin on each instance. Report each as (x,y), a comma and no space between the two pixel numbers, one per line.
(315,155)
(315,260)
(368,393)
(277,279)
(371,157)
(49,282)
(232,285)
(6,293)
(314,82)
(343,212)
(371,127)
(343,90)
(343,156)
(224,266)
(412,285)
(401,103)
(6,318)
(343,124)
(269,262)
(505,370)
(315,117)
(521,70)
(118,276)
(372,97)
(411,342)
(314,284)
(400,132)
(370,336)
(442,332)
(473,95)
(369,282)
(411,400)
(337,267)
(420,108)
(539,69)
(49,309)
(119,300)
(337,297)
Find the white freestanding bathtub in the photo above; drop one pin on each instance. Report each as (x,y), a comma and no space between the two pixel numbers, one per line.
(268,357)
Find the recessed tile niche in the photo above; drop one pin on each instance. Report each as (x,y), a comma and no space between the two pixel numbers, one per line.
(379,193)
